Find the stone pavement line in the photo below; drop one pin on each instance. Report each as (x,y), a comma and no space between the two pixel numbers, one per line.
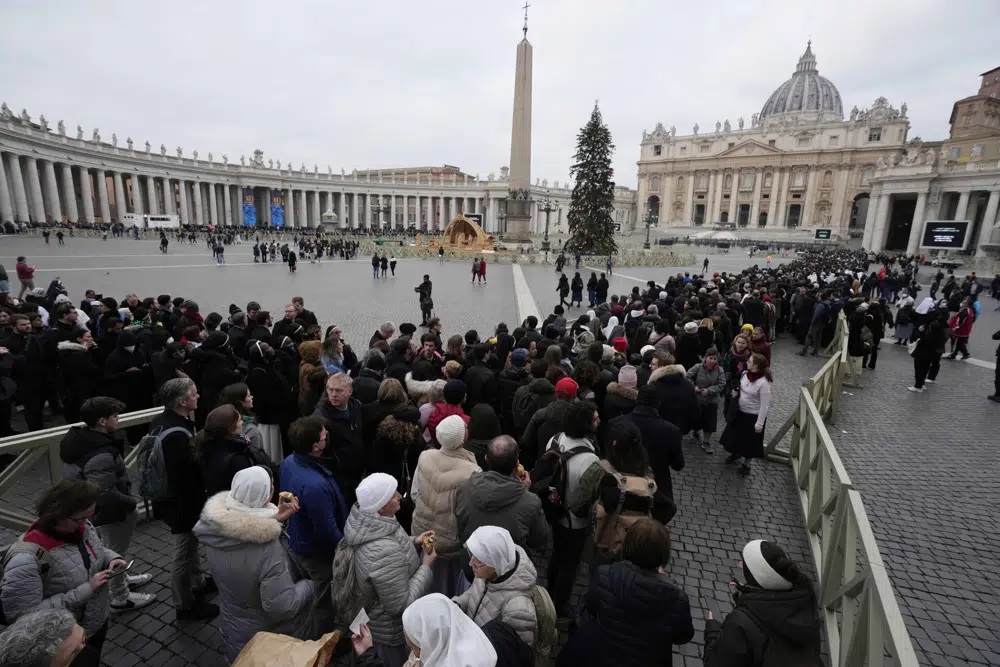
(526,304)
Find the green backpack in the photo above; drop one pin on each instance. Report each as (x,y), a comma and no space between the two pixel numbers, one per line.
(546,633)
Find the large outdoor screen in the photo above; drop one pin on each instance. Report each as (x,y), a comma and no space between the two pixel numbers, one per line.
(946,235)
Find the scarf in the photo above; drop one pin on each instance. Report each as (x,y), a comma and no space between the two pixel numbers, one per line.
(753,377)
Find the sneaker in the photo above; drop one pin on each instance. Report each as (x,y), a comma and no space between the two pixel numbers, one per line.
(707,447)
(964,357)
(137,580)
(930,381)
(917,390)
(133,602)
(199,611)
(207,587)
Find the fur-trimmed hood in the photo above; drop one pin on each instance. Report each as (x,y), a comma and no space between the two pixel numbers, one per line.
(221,527)
(418,388)
(70,345)
(666,371)
(628,393)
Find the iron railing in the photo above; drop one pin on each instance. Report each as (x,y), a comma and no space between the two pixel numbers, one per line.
(863,623)
(32,447)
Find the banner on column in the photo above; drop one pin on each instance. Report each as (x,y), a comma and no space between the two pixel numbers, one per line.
(249,208)
(277,209)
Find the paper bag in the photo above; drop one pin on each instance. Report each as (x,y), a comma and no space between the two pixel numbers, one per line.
(267,649)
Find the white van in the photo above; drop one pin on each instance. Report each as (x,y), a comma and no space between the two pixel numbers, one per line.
(162,221)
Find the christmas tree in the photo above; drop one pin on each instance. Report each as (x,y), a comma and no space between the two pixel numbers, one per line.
(591,225)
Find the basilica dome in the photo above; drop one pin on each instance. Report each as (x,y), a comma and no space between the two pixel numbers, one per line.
(806,95)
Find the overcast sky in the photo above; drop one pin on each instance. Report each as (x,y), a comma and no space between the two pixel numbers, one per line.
(393,83)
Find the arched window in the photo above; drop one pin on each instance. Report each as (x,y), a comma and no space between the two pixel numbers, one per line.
(827,179)
(654,184)
(653,208)
(767,179)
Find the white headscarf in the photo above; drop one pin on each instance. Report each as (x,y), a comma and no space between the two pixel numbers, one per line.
(445,635)
(493,546)
(925,305)
(612,323)
(251,492)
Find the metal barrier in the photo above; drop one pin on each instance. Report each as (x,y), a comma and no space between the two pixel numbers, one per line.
(32,447)
(862,619)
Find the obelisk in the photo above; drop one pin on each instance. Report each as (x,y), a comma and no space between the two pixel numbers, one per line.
(519,194)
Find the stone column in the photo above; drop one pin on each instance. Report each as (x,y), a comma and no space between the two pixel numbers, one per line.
(779,213)
(6,203)
(213,203)
(667,201)
(341,208)
(120,206)
(353,210)
(52,192)
(810,203)
(772,206)
(317,213)
(169,204)
(37,204)
(199,210)
(734,193)
(152,206)
(989,223)
(689,201)
(916,227)
(87,195)
(102,196)
(227,204)
(290,208)
(875,222)
(962,211)
(69,194)
(758,184)
(136,195)
(392,210)
(19,195)
(303,208)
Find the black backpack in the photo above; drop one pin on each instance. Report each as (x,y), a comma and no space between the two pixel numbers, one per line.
(550,476)
(779,652)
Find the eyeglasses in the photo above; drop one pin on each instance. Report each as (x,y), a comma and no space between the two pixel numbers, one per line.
(81,519)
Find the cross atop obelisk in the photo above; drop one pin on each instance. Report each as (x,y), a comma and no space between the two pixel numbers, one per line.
(519,194)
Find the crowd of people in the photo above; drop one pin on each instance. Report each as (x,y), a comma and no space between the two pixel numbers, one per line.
(432,482)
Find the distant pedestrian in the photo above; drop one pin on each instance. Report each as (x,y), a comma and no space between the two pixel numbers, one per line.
(475,268)
(482,270)
(610,266)
(392,265)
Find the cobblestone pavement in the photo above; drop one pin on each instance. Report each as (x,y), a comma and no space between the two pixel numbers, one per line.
(930,511)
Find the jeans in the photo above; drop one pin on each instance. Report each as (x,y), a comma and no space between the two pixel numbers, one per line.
(185,570)
(118,538)
(814,337)
(26,285)
(567,548)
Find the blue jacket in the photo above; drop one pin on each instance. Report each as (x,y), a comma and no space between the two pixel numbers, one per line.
(318,526)
(820,314)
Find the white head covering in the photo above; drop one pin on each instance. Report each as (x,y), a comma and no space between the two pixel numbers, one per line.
(493,546)
(612,323)
(450,432)
(375,491)
(925,305)
(445,635)
(762,572)
(251,492)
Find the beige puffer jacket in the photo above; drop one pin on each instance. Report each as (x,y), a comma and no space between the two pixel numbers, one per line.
(438,475)
(507,598)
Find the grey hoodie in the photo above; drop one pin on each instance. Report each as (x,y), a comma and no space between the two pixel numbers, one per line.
(491,499)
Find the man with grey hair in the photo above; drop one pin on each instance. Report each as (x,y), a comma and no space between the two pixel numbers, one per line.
(385,332)
(49,638)
(181,509)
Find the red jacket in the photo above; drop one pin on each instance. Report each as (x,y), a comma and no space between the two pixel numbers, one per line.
(961,322)
(482,267)
(440,411)
(25,272)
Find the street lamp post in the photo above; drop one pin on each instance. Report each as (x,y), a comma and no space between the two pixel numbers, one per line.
(648,219)
(546,208)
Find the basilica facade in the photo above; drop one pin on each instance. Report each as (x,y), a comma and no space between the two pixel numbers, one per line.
(798,163)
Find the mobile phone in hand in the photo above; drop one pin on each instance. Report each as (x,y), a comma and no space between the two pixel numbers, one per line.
(120,571)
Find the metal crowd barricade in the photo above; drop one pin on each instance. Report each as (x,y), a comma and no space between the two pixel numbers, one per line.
(30,448)
(863,623)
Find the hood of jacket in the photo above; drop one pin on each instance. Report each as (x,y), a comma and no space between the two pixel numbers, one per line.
(522,578)
(542,387)
(69,345)
(311,351)
(201,356)
(364,527)
(492,492)
(628,393)
(483,423)
(80,440)
(514,373)
(418,388)
(789,614)
(669,374)
(222,527)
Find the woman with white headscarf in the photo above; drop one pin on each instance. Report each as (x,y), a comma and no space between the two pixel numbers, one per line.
(380,568)
(612,325)
(440,635)
(240,529)
(503,583)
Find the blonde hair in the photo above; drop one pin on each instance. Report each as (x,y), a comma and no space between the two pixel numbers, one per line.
(707,323)
(340,378)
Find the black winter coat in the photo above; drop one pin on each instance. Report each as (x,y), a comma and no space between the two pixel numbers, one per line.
(786,618)
(509,380)
(687,350)
(221,459)
(344,444)
(273,401)
(366,386)
(211,370)
(662,441)
(187,488)
(482,387)
(636,618)
(618,401)
(678,403)
(79,372)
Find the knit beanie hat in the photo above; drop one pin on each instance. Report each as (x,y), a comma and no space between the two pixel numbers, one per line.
(760,558)
(450,433)
(407,329)
(567,388)
(454,391)
(216,340)
(691,327)
(375,491)
(627,376)
(620,344)
(647,396)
